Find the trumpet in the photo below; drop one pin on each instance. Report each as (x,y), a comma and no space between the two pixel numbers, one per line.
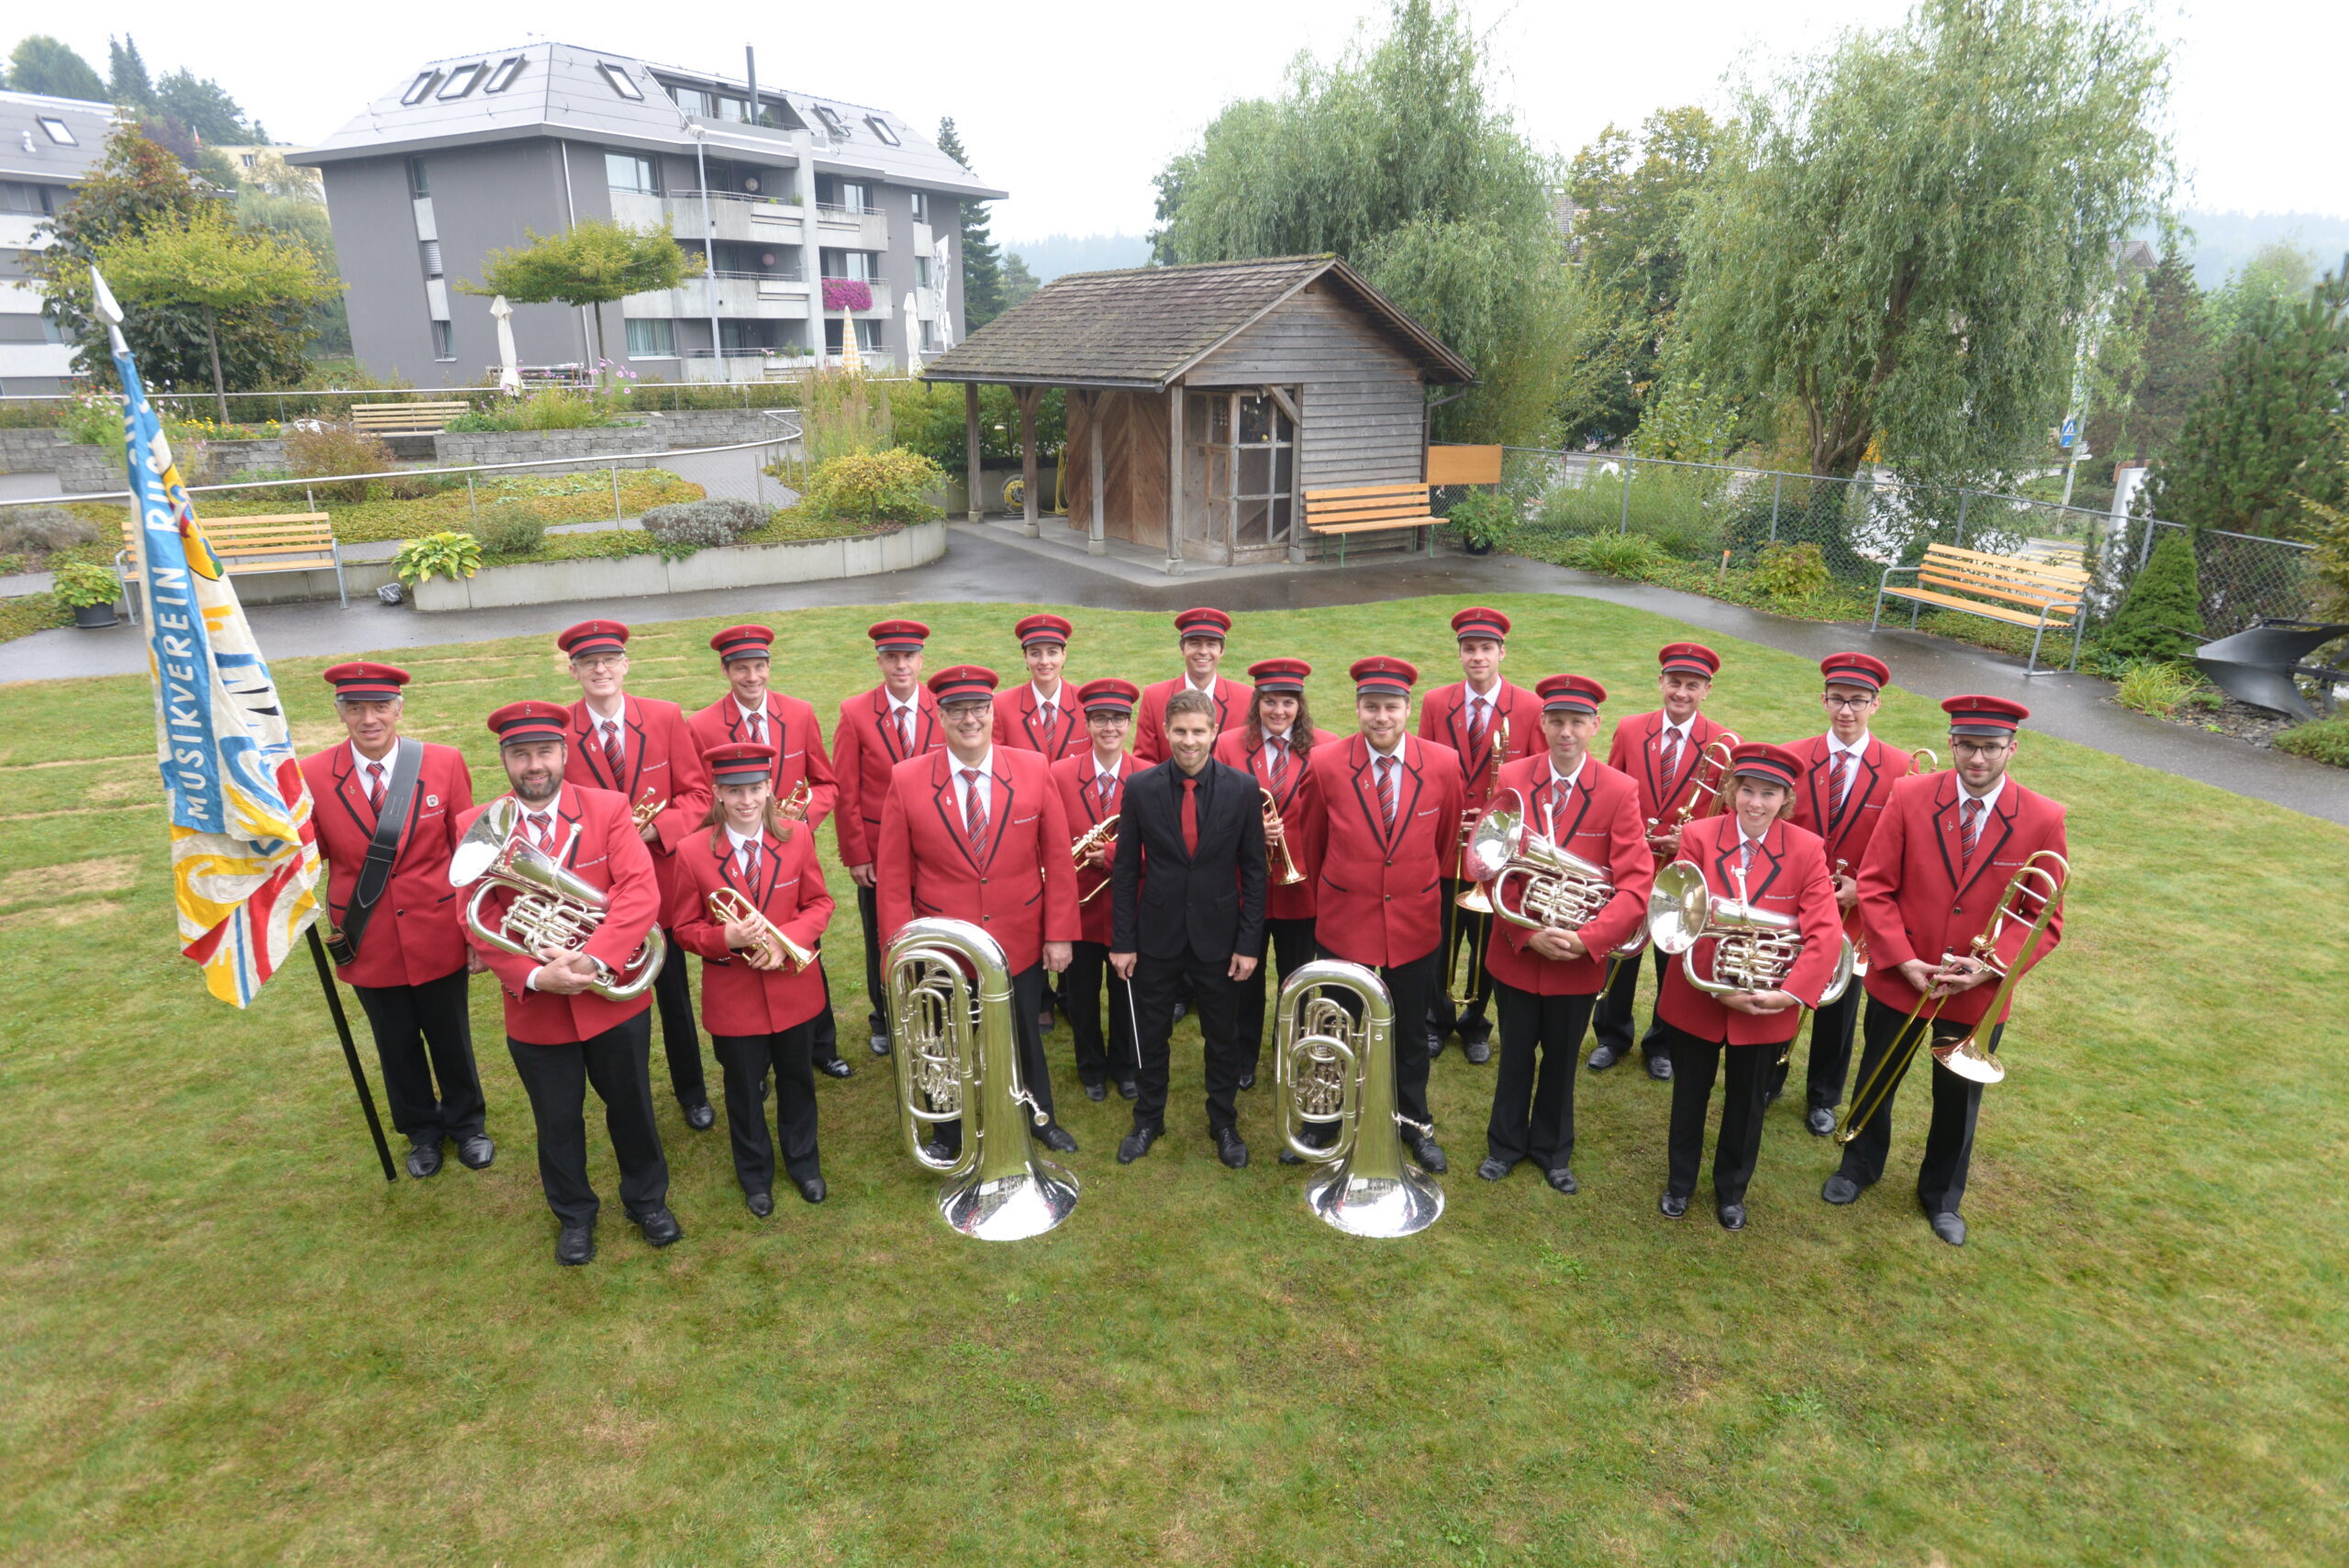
(1102,836)
(552,908)
(1752,948)
(1334,1066)
(728,905)
(1289,875)
(1701,789)
(645,810)
(792,808)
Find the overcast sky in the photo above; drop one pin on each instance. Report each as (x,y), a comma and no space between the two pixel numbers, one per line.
(1072,104)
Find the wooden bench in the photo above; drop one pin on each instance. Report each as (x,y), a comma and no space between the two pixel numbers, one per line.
(2036,594)
(405,419)
(1367,509)
(292,541)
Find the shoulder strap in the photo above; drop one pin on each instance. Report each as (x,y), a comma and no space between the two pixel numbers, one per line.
(399,795)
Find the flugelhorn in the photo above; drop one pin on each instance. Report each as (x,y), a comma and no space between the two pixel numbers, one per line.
(728,905)
(1334,1066)
(958,1059)
(1754,949)
(1102,836)
(1278,836)
(551,908)
(792,808)
(1701,788)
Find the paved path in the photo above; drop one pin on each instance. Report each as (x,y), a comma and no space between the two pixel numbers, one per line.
(992,563)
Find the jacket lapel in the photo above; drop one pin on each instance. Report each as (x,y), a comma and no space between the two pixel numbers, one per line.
(1366,786)
(949,810)
(567,811)
(633,720)
(349,790)
(1767,860)
(998,810)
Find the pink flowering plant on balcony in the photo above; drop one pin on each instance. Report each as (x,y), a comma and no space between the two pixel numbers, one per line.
(847,293)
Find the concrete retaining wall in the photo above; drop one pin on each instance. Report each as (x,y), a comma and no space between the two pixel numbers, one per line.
(79,468)
(455,449)
(733,566)
(709,426)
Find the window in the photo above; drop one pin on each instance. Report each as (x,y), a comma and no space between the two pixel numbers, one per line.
(921,272)
(881,128)
(846,196)
(431,250)
(462,79)
(444,341)
(620,83)
(1239,456)
(831,121)
(418,185)
(921,206)
(868,335)
(419,87)
(17,196)
(632,172)
(59,131)
(503,77)
(929,337)
(652,339)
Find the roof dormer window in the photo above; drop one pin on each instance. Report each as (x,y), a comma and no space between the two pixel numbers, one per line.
(462,79)
(422,84)
(881,128)
(617,76)
(832,123)
(503,77)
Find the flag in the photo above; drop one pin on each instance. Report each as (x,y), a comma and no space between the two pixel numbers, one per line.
(245,867)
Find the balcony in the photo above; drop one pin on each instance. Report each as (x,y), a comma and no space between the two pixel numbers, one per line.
(883,304)
(852,228)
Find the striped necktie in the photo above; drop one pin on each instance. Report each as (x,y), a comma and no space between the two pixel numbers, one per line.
(1969,833)
(375,788)
(1386,796)
(613,754)
(974,814)
(1844,770)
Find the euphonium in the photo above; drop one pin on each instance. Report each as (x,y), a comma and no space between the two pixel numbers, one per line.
(1102,835)
(727,904)
(550,906)
(1334,1066)
(1754,949)
(958,1058)
(1289,875)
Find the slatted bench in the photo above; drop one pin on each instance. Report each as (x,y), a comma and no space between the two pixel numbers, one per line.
(2036,594)
(291,542)
(405,419)
(1367,509)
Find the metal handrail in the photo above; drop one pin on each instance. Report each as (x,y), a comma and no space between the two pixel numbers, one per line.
(734,196)
(759,277)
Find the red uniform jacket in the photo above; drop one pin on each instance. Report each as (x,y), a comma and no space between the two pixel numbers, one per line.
(1600,822)
(1633,751)
(1910,900)
(793,729)
(416,933)
(595,841)
(1294,901)
(1847,836)
(1788,877)
(1378,898)
(1073,777)
(659,761)
(1443,718)
(1149,721)
(865,750)
(1016,723)
(1021,892)
(737,999)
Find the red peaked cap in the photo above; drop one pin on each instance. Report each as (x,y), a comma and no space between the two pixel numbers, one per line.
(1480,622)
(1856,670)
(1042,629)
(963,683)
(740,762)
(743,642)
(1984,715)
(365,682)
(1689,659)
(1569,693)
(1280,675)
(518,722)
(1383,677)
(1109,695)
(593,637)
(1759,759)
(898,636)
(1203,623)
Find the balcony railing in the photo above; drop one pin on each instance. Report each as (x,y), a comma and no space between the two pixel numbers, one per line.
(880,286)
(832,210)
(777,277)
(787,199)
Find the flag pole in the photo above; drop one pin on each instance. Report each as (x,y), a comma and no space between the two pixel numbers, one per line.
(350,1053)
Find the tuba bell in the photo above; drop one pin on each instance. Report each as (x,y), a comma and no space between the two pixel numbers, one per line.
(550,906)
(1334,1066)
(1752,948)
(958,1059)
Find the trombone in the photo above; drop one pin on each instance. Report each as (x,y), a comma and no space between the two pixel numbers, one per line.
(1278,835)
(727,907)
(1102,836)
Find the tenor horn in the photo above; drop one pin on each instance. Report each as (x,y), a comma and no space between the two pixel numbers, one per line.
(958,1059)
(551,908)
(1334,1066)
(1754,949)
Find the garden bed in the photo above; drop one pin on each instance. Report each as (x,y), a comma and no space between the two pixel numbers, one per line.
(621,564)
(558,498)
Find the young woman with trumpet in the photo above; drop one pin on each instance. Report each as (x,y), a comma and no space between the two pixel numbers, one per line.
(1092,786)
(749,898)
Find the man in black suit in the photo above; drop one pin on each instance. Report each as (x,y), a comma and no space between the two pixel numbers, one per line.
(1187,912)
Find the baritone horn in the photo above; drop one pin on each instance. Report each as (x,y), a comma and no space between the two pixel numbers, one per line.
(728,905)
(958,1060)
(551,908)
(1333,1067)
(1102,836)
(1289,875)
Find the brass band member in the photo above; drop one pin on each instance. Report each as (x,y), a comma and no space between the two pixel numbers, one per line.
(878,730)
(1275,744)
(760,991)
(1187,914)
(1660,750)
(1546,981)
(1040,715)
(1092,786)
(1202,632)
(641,748)
(1754,857)
(563,1036)
(387,811)
(1474,716)
(1942,854)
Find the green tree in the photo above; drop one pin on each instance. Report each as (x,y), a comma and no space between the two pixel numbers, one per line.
(2262,439)
(2156,361)
(205,108)
(41,64)
(1904,236)
(1393,157)
(982,298)
(592,264)
(2279,270)
(127,79)
(1017,282)
(2161,614)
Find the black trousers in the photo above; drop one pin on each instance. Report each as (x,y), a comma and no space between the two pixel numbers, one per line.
(618,1062)
(1408,985)
(1100,1057)
(1949,1137)
(1035,1072)
(1695,1063)
(673,999)
(1612,1019)
(876,996)
(1831,1052)
(823,1029)
(422,1032)
(1534,1089)
(1289,944)
(1473,930)
(745,1059)
(1159,984)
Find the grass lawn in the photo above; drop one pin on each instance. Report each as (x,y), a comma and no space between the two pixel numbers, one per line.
(230,1341)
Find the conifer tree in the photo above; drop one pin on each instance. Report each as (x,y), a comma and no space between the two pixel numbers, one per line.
(982,264)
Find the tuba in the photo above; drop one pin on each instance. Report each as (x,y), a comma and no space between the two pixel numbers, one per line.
(1752,948)
(728,905)
(958,1059)
(1534,883)
(1333,1065)
(551,908)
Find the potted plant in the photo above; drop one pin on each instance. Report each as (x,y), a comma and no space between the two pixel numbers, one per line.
(450,554)
(90,589)
(1482,518)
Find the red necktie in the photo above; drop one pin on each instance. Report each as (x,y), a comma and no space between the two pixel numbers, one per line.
(1105,789)
(1669,756)
(751,863)
(974,814)
(905,733)
(1277,751)
(1968,832)
(1559,793)
(1386,796)
(612,753)
(1190,817)
(1475,726)
(1049,715)
(757,722)
(375,788)
(542,830)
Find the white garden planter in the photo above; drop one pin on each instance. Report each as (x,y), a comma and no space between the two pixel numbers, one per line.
(730,566)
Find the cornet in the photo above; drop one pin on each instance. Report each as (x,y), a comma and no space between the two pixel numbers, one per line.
(1278,836)
(727,907)
(645,810)
(552,908)
(1334,1066)
(1103,835)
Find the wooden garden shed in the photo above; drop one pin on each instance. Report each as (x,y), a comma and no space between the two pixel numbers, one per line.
(1203,402)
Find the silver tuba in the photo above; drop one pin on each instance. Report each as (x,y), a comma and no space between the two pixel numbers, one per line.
(550,906)
(1752,948)
(1334,1066)
(958,1059)
(1534,883)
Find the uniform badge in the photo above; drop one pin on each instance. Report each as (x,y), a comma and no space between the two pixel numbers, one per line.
(431,800)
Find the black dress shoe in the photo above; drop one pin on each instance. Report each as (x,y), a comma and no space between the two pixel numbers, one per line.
(812,1190)
(1659,1069)
(1602,1057)
(1733,1215)
(1127,1089)
(1291,1157)
(1429,1155)
(575,1245)
(475,1152)
(837,1067)
(698,1115)
(1229,1149)
(1950,1229)
(1044,1021)
(880,1043)
(1673,1206)
(1247,1080)
(1562,1179)
(424,1160)
(1841,1188)
(1770,1096)
(660,1227)
(1820,1120)
(1097,1093)
(1478,1050)
(1493,1169)
(1136,1144)
(1058,1139)
(1182,1011)
(1435,1045)
(761,1203)
(936,1153)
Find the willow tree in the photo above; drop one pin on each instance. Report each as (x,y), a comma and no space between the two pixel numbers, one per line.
(594,262)
(1907,236)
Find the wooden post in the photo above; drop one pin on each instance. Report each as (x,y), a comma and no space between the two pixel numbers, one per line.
(1096,538)
(1028,398)
(971,449)
(1174,480)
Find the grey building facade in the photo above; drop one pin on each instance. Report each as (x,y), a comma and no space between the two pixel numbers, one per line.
(473,153)
(47,147)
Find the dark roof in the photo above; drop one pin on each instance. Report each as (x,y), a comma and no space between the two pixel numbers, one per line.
(1144,328)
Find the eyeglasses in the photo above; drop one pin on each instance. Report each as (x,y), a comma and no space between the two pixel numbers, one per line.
(1834,701)
(1978,748)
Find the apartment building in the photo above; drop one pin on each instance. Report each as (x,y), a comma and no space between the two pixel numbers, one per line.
(778,191)
(50,145)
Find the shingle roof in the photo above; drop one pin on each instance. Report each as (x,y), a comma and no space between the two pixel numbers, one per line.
(28,152)
(1144,328)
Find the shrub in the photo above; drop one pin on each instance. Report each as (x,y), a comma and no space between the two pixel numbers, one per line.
(36,531)
(2327,741)
(511,526)
(1483,518)
(1791,571)
(337,449)
(892,486)
(449,555)
(686,526)
(95,419)
(414,484)
(1619,555)
(82,585)
(2161,616)
(2158,686)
